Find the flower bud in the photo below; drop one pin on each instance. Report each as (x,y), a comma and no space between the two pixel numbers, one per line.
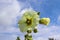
(35,30)
(44,21)
(29,30)
(29,39)
(26,35)
(38,13)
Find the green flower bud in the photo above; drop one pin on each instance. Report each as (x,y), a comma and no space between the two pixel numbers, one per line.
(29,30)
(30,36)
(38,13)
(29,39)
(25,39)
(35,30)
(26,35)
(18,38)
(44,21)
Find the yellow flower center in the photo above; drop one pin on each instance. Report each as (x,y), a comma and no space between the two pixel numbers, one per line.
(28,21)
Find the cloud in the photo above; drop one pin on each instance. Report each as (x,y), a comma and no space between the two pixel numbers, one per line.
(5,1)
(9,30)
(10,10)
(45,32)
(8,37)
(57,36)
(40,38)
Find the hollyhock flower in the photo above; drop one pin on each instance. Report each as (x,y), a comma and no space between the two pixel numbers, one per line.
(30,19)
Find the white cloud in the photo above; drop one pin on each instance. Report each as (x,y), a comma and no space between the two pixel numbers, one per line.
(9,11)
(8,37)
(40,38)
(57,36)
(9,30)
(5,1)
(45,32)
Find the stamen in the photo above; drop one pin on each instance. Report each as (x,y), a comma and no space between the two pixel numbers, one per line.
(29,21)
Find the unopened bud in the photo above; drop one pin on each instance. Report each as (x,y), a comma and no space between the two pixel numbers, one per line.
(35,30)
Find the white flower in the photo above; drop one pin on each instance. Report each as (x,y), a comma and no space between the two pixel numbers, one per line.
(30,19)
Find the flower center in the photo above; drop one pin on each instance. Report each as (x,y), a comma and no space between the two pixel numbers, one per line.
(29,21)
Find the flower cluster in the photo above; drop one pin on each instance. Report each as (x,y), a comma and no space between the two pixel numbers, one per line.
(29,22)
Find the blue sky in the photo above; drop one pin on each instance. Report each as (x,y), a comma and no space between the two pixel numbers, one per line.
(11,11)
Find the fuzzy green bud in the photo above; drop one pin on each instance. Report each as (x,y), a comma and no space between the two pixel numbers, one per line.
(44,21)
(29,30)
(35,30)
(38,13)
